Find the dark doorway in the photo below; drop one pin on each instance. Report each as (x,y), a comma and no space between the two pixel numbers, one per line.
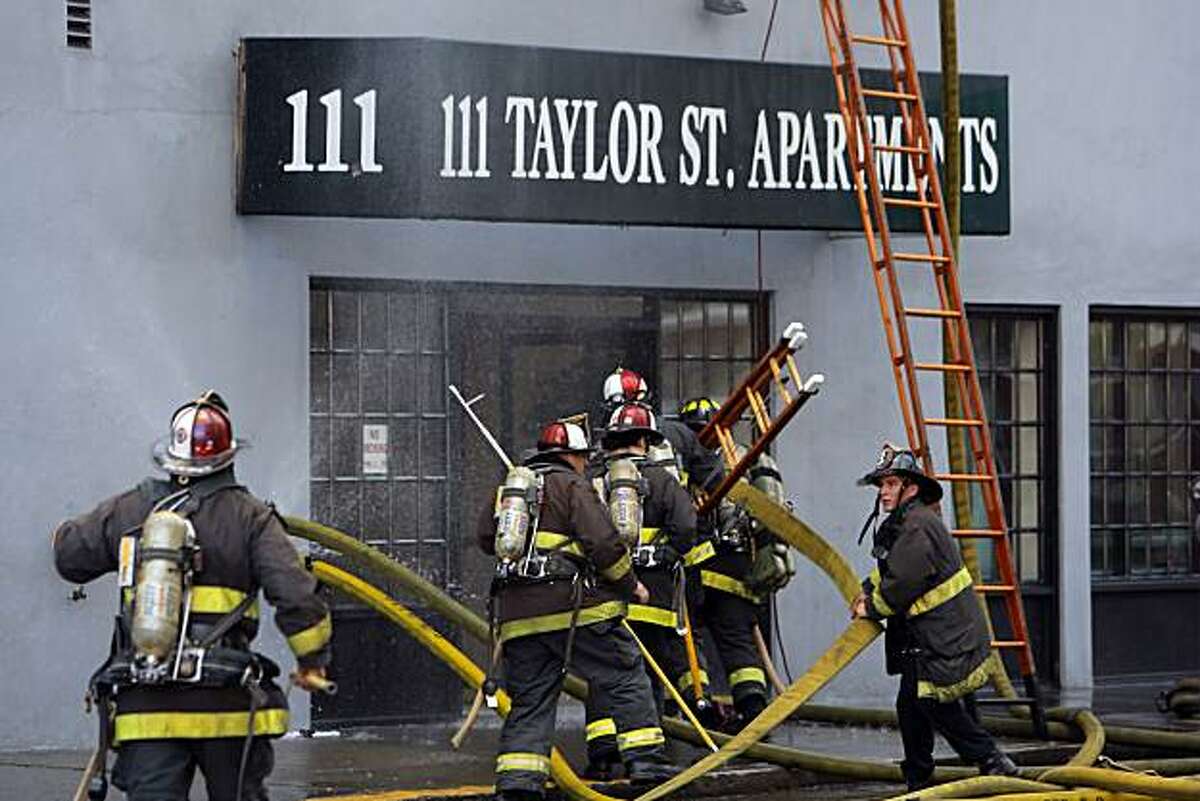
(382,354)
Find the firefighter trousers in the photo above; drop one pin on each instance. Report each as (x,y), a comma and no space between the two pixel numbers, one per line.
(669,651)
(919,718)
(730,620)
(162,770)
(606,656)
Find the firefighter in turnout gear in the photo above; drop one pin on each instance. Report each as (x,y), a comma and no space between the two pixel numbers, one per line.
(937,638)
(558,603)
(659,526)
(182,688)
(698,466)
(728,607)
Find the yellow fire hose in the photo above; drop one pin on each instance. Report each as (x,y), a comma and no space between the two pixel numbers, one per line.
(809,543)
(671,691)
(455,659)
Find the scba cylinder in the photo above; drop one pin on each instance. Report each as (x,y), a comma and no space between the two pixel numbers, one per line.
(158,593)
(518,500)
(765,478)
(625,500)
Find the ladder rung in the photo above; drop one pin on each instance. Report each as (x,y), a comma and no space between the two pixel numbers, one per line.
(995,587)
(980,477)
(909,203)
(977,533)
(887,94)
(1008,643)
(951,421)
(915,151)
(948,314)
(926,257)
(945,368)
(879,40)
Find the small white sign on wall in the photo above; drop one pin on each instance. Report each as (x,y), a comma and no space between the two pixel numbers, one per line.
(375,449)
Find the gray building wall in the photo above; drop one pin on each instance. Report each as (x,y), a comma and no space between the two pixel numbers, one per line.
(129,283)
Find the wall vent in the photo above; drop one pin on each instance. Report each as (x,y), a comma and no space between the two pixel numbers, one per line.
(79,24)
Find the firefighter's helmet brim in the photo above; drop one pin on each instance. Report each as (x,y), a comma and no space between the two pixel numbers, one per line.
(194,467)
(930,489)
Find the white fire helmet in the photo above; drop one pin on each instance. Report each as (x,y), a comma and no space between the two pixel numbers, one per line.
(623,386)
(201,440)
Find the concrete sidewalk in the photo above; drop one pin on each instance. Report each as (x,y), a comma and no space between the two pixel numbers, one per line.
(408,762)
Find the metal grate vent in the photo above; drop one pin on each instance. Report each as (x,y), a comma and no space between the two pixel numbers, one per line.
(79,24)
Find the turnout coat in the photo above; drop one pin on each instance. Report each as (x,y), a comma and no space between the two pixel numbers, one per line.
(921,588)
(244,549)
(573,525)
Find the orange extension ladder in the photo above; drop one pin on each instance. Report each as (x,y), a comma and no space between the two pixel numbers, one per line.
(938,257)
(776,369)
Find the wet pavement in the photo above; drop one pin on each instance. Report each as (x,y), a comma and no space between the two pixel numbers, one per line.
(408,762)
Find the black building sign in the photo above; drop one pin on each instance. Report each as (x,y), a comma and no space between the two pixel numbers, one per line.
(417,128)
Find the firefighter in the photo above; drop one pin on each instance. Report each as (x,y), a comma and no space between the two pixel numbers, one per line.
(937,638)
(699,467)
(563,582)
(727,607)
(182,686)
(654,513)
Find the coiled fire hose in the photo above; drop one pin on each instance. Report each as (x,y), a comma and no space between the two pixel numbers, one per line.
(813,546)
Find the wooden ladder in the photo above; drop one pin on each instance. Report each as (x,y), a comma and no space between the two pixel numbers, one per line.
(775,370)
(904,92)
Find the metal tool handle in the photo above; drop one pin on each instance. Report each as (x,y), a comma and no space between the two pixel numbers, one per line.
(487,435)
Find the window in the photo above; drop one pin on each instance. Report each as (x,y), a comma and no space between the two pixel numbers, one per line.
(377,422)
(1145,442)
(1015,359)
(706,346)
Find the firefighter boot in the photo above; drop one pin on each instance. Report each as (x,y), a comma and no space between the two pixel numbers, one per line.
(998,764)
(646,770)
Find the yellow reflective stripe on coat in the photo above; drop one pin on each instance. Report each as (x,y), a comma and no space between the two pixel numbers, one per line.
(684,682)
(702,552)
(559,543)
(605,727)
(941,593)
(641,613)
(560,620)
(881,605)
(533,763)
(211,600)
(748,674)
(196,725)
(719,581)
(618,569)
(649,536)
(944,693)
(640,738)
(312,638)
(875,578)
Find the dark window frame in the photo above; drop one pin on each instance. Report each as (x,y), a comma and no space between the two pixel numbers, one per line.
(1124,537)
(1046,425)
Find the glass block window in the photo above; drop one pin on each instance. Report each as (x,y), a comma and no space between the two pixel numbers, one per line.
(377,419)
(706,347)
(1145,443)
(1014,353)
